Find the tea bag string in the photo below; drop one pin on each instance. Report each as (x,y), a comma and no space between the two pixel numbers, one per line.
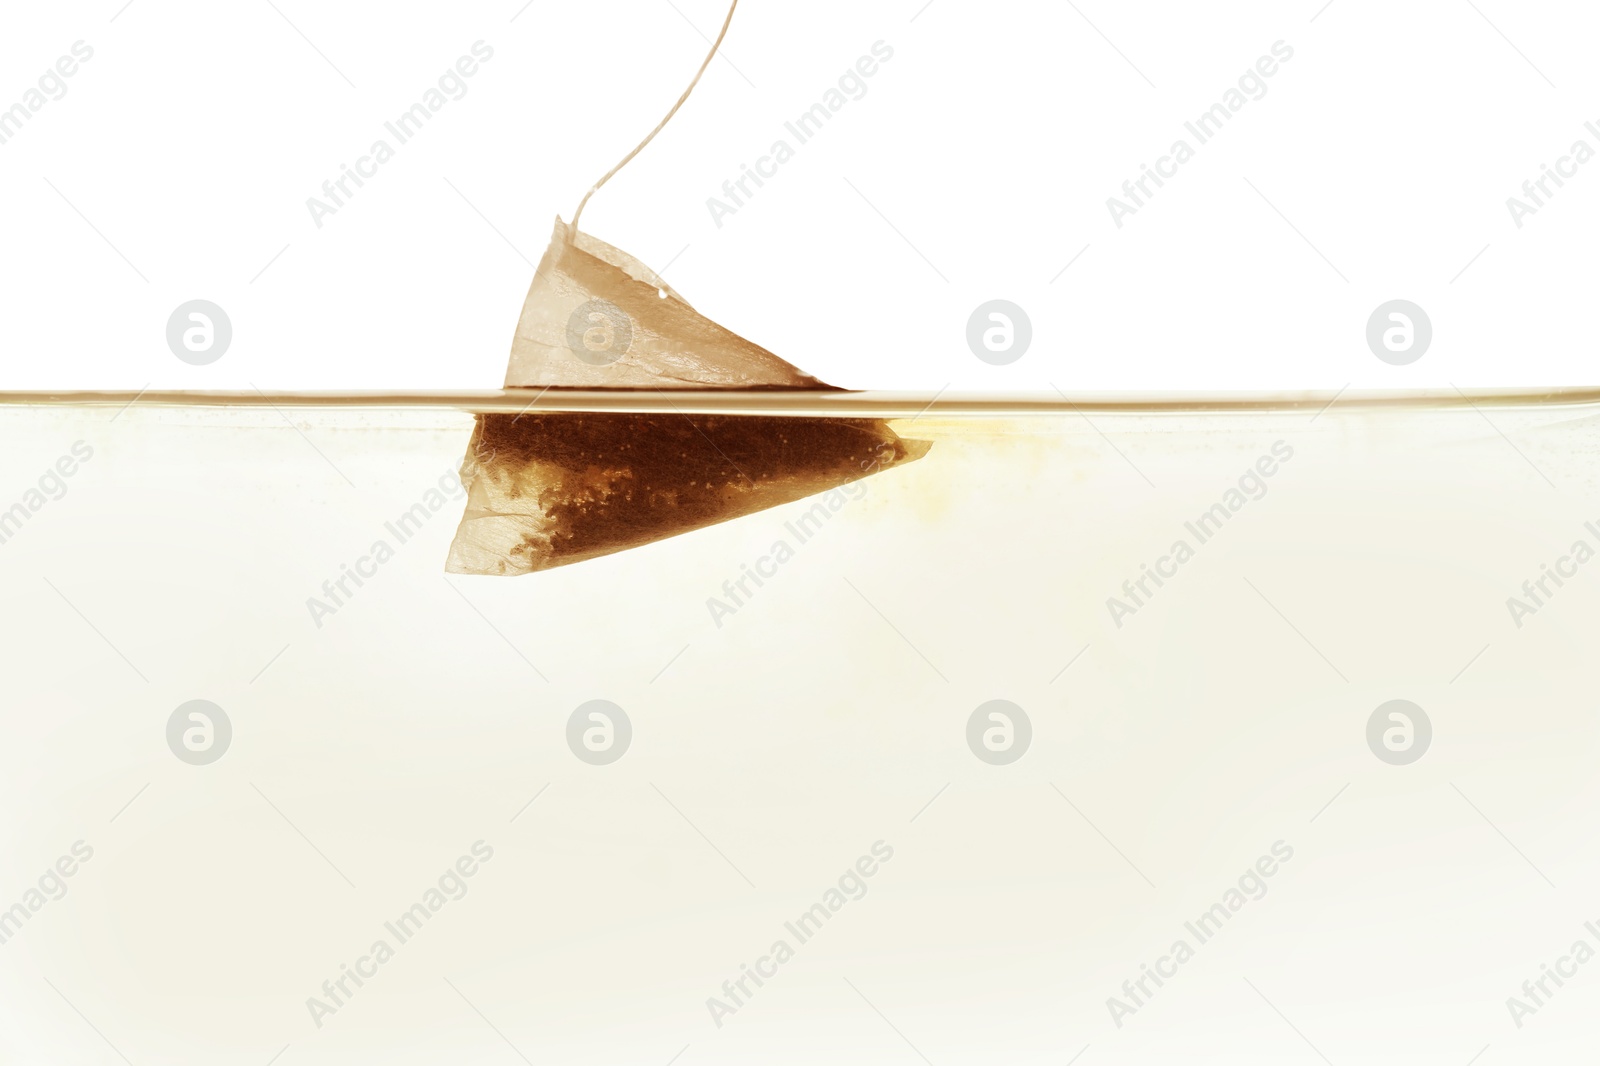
(572,233)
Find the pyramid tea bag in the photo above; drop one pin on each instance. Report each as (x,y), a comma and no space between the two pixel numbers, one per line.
(544,489)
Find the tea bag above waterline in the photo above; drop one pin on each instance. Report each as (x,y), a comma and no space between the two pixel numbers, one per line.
(597,318)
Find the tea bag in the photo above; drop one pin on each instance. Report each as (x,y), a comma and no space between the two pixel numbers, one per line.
(548,489)
(545,489)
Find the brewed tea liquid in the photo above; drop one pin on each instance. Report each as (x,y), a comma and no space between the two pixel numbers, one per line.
(1291,707)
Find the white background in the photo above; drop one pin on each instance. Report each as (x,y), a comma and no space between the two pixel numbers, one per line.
(1376,167)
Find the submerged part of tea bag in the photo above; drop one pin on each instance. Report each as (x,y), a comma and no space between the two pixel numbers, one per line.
(597,318)
(548,489)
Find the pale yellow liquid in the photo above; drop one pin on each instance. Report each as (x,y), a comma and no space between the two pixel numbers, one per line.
(821,716)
